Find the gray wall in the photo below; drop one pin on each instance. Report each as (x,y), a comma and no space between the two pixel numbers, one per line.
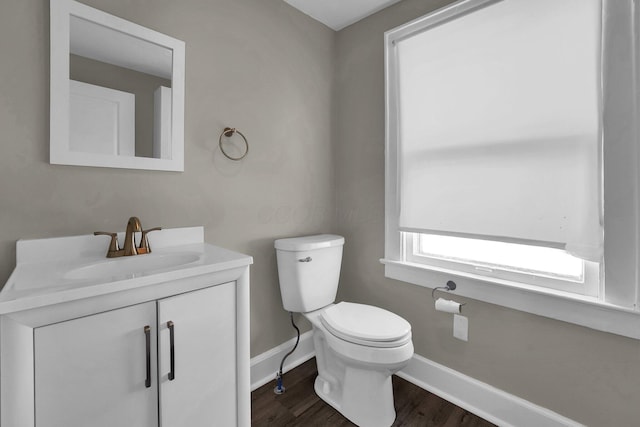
(258,65)
(589,376)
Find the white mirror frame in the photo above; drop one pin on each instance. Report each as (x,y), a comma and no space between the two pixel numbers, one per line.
(61,11)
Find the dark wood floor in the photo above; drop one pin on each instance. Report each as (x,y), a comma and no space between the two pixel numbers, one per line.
(300,406)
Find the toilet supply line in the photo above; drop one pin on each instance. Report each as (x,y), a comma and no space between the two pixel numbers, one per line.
(279,388)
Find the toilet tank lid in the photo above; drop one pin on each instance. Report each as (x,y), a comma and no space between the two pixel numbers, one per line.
(308,243)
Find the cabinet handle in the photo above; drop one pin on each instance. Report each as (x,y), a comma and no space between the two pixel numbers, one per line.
(147,336)
(172,354)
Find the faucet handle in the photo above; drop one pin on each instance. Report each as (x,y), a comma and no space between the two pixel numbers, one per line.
(144,247)
(113,245)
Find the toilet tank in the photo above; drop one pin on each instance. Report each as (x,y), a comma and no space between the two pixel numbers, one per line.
(309,270)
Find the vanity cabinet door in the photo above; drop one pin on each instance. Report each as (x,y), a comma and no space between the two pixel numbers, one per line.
(92,371)
(202,391)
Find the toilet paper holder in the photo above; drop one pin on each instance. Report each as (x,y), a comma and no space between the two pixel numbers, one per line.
(450,286)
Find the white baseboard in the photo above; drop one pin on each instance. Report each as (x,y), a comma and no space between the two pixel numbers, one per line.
(264,366)
(492,404)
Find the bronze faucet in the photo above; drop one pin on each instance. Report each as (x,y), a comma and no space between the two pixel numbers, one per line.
(129,239)
(133,226)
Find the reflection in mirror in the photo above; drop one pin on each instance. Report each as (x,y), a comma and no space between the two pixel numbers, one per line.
(140,86)
(119,89)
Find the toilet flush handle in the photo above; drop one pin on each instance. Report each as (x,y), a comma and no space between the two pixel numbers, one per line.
(307,259)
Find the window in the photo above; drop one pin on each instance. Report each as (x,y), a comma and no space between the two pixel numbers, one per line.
(534,265)
(503,155)
(494,144)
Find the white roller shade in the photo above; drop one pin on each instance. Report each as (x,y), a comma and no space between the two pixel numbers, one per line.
(499,125)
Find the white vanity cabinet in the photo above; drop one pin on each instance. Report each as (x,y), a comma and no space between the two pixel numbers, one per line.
(91,371)
(203,389)
(155,350)
(101,370)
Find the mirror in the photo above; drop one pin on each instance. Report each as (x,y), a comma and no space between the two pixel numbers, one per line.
(117,92)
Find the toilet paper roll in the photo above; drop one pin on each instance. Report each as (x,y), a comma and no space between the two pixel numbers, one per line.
(447,306)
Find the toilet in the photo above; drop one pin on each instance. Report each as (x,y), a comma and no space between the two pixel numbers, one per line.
(358,347)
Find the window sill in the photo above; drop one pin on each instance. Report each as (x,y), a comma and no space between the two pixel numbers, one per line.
(564,306)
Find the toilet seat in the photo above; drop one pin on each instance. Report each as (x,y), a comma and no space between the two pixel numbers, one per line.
(366,325)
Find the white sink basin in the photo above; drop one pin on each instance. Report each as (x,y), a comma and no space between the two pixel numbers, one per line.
(131,266)
(70,269)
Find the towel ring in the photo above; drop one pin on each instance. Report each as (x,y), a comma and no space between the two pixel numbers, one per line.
(228,132)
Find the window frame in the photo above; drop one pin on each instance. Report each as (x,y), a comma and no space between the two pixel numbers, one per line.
(587,285)
(616,311)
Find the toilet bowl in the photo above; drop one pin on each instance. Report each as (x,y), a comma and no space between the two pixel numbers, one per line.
(354,371)
(358,347)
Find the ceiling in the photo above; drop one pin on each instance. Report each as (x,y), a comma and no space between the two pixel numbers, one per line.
(337,14)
